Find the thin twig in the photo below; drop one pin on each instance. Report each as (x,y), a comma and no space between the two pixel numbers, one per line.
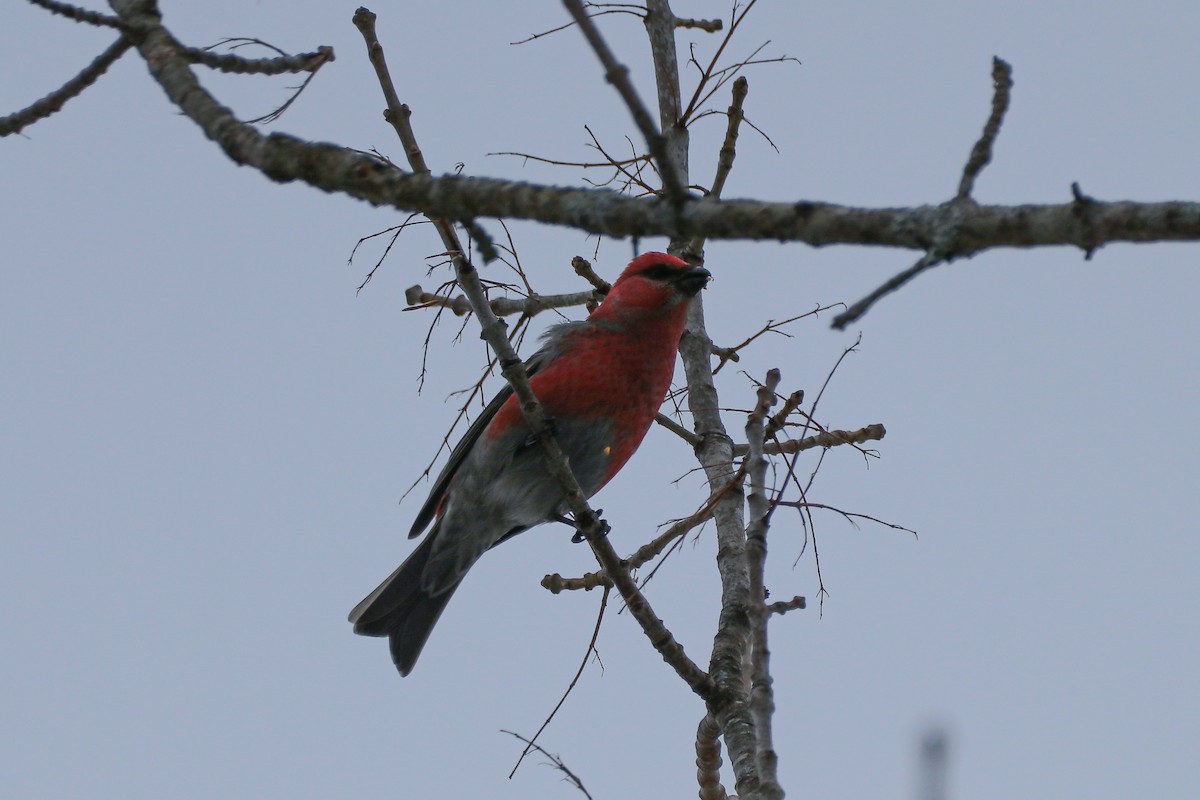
(555,761)
(572,23)
(856,311)
(587,654)
(79,14)
(617,74)
(849,516)
(395,230)
(239,65)
(726,354)
(695,103)
(53,102)
(741,88)
(417,297)
(981,153)
(942,249)
(791,477)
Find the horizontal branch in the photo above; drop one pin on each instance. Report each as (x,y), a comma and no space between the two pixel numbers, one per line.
(78,14)
(1086,223)
(827,439)
(228,62)
(417,297)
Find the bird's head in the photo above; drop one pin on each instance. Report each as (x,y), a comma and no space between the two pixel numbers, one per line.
(653,284)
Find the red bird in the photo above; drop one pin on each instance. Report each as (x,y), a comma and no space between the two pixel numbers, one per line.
(600,382)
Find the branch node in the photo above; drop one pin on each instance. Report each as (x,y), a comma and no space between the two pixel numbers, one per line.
(1083,209)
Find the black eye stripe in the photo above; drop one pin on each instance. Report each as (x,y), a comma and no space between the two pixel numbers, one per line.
(661,272)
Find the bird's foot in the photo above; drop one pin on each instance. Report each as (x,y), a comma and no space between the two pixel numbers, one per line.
(605,528)
(551,427)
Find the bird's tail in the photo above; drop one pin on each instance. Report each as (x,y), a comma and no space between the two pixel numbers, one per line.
(401,611)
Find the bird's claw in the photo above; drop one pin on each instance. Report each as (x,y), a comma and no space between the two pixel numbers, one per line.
(550,428)
(605,528)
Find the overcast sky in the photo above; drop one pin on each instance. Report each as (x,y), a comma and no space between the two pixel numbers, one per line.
(206,432)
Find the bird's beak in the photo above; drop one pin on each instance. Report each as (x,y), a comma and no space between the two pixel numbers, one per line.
(692,280)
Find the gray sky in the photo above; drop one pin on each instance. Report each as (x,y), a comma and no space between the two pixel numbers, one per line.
(206,432)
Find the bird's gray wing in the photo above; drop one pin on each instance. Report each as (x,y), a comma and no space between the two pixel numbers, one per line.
(552,341)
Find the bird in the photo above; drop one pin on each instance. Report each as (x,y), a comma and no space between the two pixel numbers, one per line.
(600,382)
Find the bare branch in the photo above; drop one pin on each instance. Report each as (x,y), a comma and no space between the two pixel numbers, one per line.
(78,14)
(715,450)
(620,10)
(784,606)
(587,654)
(726,74)
(981,153)
(53,102)
(727,354)
(583,268)
(622,167)
(695,102)
(941,249)
(791,477)
(399,115)
(849,516)
(395,230)
(561,163)
(556,583)
(741,88)
(677,429)
(555,761)
(417,297)
(856,311)
(827,439)
(333,168)
(762,699)
(617,74)
(708,759)
(285,64)
(706,25)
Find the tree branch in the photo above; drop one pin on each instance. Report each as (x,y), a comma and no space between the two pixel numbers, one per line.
(417,297)
(78,14)
(238,65)
(762,699)
(617,74)
(981,153)
(53,102)
(708,759)
(332,168)
(715,450)
(942,248)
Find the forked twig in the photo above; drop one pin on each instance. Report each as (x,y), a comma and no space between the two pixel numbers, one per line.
(587,654)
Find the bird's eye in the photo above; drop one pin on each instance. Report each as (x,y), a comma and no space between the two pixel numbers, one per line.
(661,272)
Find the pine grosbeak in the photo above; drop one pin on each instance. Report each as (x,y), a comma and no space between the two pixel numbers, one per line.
(600,382)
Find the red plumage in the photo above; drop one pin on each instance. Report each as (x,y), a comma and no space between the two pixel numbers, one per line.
(600,382)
